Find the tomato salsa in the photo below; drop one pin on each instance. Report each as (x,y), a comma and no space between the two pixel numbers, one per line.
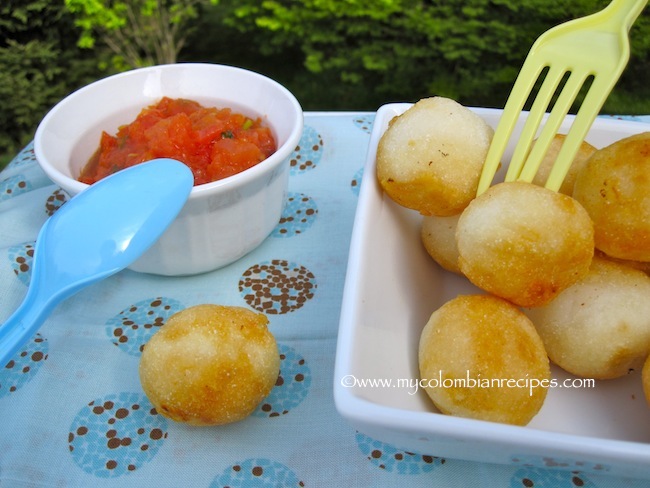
(213,142)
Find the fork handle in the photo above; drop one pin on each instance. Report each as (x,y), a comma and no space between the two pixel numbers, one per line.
(622,13)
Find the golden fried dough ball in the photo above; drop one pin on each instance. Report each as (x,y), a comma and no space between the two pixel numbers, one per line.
(599,327)
(438,236)
(489,340)
(614,187)
(430,157)
(210,365)
(584,152)
(524,243)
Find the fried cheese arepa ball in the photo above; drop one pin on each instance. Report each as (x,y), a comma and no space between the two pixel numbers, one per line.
(614,187)
(430,157)
(524,243)
(599,327)
(438,235)
(490,340)
(584,153)
(210,365)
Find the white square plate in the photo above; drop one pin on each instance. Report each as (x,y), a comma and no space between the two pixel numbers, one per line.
(392,287)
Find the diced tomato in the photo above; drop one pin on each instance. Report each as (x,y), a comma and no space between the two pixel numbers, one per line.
(231,156)
(214,142)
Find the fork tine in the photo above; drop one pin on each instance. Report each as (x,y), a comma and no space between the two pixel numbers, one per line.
(605,35)
(583,121)
(537,112)
(556,117)
(524,83)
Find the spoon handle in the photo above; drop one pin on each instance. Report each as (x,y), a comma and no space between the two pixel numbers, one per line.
(97,233)
(39,301)
(22,325)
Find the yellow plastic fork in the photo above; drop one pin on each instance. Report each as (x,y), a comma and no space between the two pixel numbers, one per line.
(593,46)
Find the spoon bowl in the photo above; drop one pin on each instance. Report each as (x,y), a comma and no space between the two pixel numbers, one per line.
(99,232)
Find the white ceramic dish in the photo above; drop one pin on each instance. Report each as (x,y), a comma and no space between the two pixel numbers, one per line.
(221,221)
(392,286)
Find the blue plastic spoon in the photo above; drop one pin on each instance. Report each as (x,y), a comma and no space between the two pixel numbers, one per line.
(99,232)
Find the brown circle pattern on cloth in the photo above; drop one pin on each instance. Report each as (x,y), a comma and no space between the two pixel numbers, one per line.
(55,201)
(277,286)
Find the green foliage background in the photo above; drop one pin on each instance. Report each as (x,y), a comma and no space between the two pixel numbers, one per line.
(332,54)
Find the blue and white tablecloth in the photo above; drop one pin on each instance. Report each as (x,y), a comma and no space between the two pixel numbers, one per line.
(73,414)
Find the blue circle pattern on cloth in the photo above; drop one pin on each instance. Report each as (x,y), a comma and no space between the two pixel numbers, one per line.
(131,328)
(298,215)
(14,186)
(24,365)
(21,258)
(291,387)
(355,184)
(549,478)
(364,122)
(257,473)
(389,458)
(116,435)
(308,153)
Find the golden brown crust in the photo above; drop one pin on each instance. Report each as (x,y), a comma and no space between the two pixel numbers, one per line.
(524,243)
(485,338)
(599,327)
(614,188)
(210,365)
(430,157)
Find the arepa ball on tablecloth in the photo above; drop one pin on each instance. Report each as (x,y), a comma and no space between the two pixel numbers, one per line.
(210,365)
